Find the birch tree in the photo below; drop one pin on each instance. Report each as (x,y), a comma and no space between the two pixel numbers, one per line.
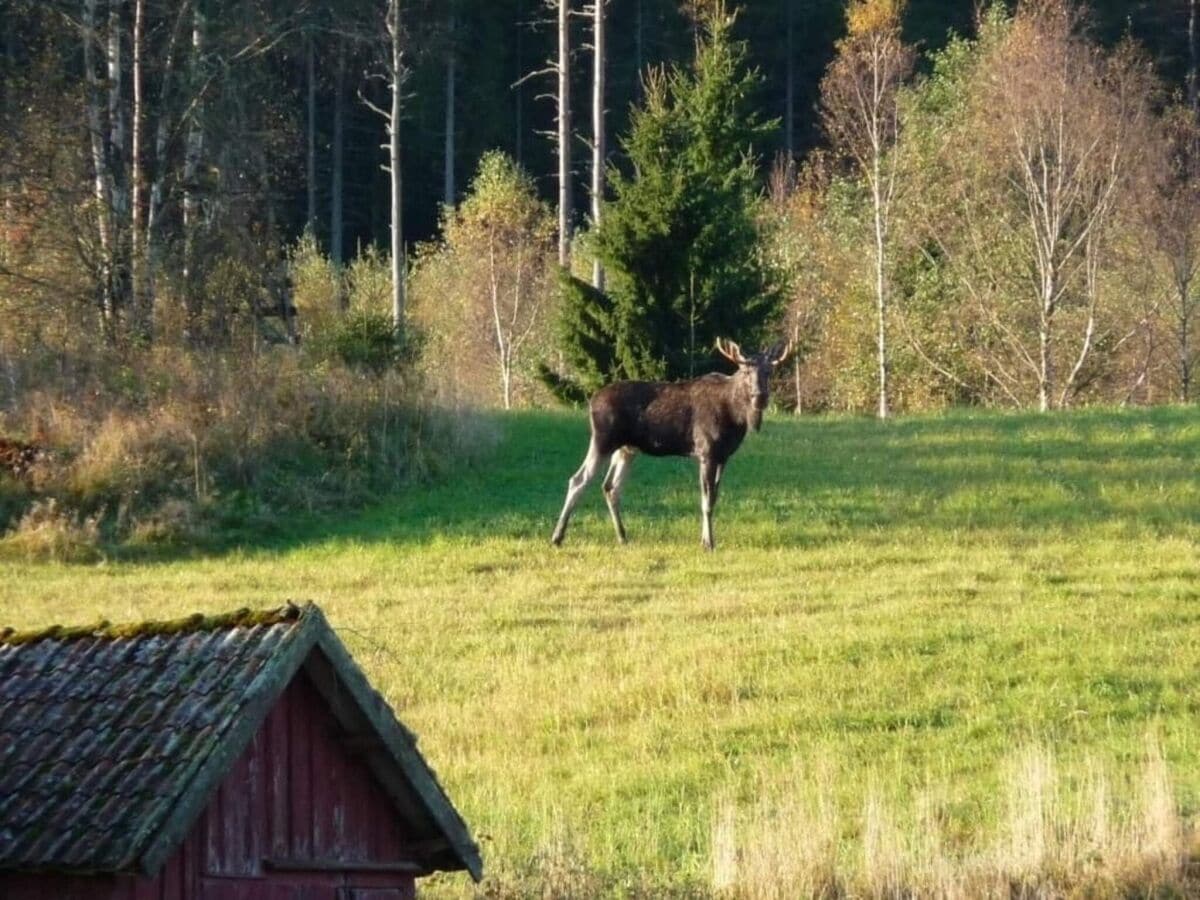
(192,160)
(563,69)
(1033,173)
(599,145)
(500,240)
(102,182)
(394,74)
(859,96)
(1172,223)
(1065,121)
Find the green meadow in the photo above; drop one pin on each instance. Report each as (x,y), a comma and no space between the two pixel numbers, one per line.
(894,613)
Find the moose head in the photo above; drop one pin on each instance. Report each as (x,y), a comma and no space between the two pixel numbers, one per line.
(753,379)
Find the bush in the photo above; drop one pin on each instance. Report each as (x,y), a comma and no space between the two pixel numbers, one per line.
(367,340)
(201,438)
(49,532)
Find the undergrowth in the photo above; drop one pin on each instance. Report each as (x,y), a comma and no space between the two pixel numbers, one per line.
(187,448)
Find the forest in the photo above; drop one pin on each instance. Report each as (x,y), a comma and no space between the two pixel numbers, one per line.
(386,215)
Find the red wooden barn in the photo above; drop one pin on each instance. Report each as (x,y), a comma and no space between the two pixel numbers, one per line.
(235,757)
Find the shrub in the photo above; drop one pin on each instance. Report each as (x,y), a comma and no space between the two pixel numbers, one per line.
(367,340)
(49,532)
(197,438)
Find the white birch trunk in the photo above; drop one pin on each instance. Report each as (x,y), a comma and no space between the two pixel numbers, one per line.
(393,128)
(564,132)
(1045,335)
(881,299)
(142,312)
(599,147)
(193,156)
(503,346)
(118,163)
(101,180)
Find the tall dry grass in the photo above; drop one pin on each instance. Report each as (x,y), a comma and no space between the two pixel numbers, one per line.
(1058,837)
(161,446)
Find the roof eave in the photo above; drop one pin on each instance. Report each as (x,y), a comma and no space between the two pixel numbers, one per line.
(401,746)
(159,840)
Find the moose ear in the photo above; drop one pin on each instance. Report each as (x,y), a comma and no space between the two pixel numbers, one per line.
(780,352)
(730,351)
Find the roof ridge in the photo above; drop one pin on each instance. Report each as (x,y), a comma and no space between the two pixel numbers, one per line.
(196,622)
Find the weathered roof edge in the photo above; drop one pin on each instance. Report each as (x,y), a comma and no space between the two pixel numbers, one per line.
(104,629)
(402,746)
(159,839)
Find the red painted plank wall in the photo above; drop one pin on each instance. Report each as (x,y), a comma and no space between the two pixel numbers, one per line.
(297,794)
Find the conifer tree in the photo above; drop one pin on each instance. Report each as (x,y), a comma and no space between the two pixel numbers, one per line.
(680,241)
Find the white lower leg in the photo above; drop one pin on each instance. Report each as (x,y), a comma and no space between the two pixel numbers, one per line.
(575,487)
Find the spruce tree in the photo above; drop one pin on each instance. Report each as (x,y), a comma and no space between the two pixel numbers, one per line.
(680,241)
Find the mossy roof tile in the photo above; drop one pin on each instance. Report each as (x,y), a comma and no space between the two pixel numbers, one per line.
(112,737)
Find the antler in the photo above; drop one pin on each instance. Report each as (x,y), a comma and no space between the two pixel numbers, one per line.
(730,351)
(779,355)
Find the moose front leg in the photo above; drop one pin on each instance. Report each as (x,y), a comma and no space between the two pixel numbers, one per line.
(709,473)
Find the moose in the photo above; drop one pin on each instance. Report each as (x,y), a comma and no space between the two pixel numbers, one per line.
(704,417)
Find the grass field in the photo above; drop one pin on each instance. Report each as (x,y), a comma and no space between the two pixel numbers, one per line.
(894,614)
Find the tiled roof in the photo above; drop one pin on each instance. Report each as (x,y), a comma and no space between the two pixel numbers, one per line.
(112,738)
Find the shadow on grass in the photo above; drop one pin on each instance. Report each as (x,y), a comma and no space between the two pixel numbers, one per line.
(804,482)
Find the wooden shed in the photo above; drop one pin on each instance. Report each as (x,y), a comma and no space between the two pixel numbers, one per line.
(234,757)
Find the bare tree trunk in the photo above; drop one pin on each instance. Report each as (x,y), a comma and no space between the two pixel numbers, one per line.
(448,190)
(638,52)
(1045,357)
(101,179)
(1091,288)
(880,295)
(519,87)
(393,128)
(335,187)
(789,108)
(142,312)
(564,132)
(503,347)
(1185,327)
(118,163)
(1193,60)
(796,367)
(193,156)
(310,156)
(6,111)
(599,148)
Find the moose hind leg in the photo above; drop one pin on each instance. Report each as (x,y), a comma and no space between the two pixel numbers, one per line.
(618,472)
(575,486)
(708,499)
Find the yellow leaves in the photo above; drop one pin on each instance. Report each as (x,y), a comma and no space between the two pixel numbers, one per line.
(865,17)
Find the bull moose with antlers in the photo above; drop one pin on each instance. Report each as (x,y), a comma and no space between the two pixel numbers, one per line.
(705,418)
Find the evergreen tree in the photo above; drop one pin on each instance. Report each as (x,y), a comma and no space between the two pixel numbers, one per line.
(680,241)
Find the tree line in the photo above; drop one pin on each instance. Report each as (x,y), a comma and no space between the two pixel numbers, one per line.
(1018,182)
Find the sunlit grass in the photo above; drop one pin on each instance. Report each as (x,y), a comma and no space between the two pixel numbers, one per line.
(910,602)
